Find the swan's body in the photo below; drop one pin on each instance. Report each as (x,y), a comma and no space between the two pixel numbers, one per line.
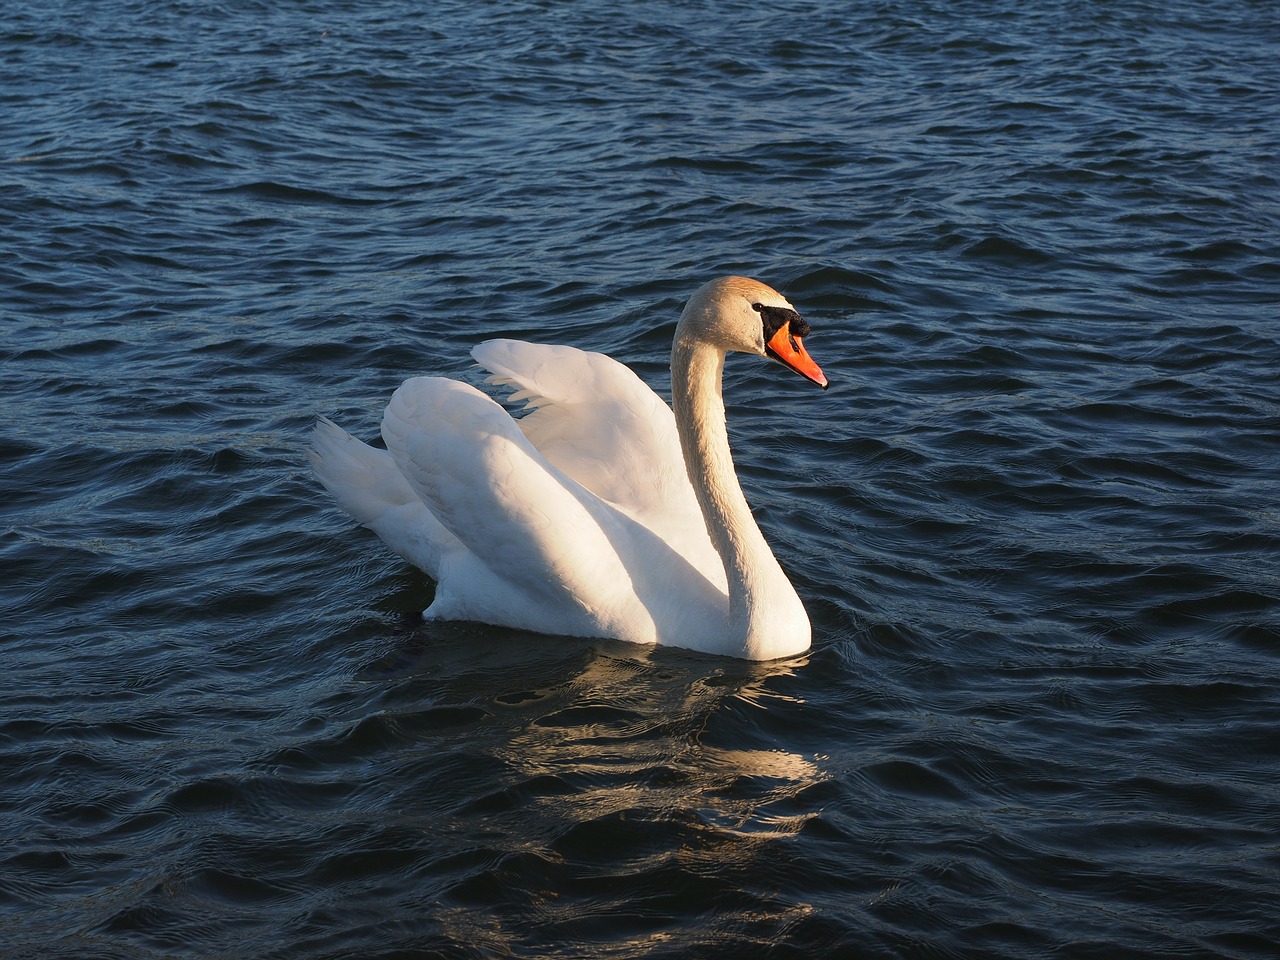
(580,518)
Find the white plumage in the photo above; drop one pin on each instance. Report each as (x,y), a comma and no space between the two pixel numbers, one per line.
(580,517)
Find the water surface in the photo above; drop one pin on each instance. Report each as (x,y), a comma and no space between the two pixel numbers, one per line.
(1034,520)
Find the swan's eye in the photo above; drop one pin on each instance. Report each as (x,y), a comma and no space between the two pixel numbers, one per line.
(772,319)
(758,308)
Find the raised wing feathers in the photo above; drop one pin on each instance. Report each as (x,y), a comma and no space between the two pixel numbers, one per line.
(596,421)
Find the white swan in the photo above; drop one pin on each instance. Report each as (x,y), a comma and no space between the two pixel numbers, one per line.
(600,513)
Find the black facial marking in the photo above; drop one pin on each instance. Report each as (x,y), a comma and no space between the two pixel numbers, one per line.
(771,318)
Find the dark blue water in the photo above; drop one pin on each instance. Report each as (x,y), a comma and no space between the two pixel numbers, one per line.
(1034,520)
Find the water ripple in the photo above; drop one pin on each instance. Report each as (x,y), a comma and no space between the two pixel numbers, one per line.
(1033,520)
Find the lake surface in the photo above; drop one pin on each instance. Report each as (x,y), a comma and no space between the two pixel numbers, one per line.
(1034,520)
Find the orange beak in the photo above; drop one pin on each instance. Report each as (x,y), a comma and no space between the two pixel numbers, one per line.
(790,352)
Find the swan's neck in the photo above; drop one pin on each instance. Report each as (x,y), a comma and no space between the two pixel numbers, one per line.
(764,611)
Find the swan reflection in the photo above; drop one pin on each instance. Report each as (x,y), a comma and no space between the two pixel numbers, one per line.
(598,779)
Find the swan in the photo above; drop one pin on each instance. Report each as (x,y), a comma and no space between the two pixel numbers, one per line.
(601,512)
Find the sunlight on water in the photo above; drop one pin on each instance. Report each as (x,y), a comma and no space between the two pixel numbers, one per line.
(1033,520)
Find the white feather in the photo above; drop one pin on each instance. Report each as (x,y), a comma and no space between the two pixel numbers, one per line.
(579,517)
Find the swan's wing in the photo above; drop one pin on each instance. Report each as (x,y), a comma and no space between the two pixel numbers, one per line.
(546,539)
(365,482)
(597,422)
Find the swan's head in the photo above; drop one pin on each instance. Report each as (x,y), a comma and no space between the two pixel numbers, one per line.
(737,313)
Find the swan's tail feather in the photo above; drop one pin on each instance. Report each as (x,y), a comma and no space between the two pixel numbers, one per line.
(363,480)
(366,484)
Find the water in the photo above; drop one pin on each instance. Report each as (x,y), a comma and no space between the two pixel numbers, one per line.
(1034,520)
